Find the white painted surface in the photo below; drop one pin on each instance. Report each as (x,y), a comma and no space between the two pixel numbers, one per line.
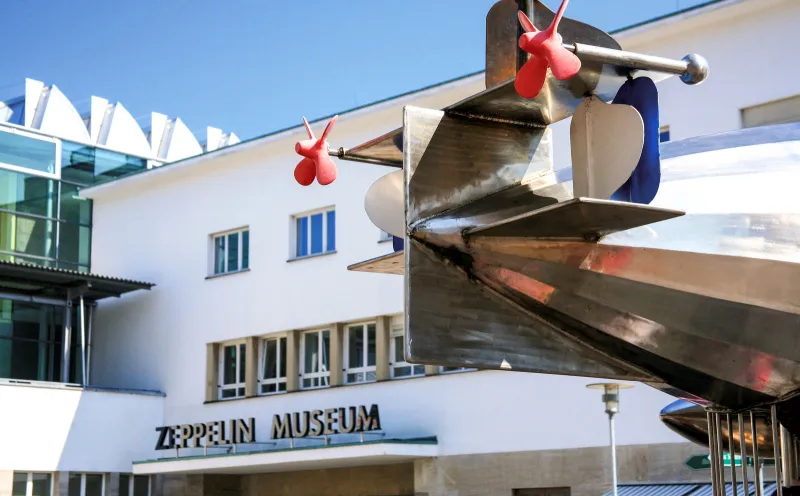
(49,429)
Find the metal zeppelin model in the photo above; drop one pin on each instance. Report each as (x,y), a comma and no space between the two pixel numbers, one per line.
(676,265)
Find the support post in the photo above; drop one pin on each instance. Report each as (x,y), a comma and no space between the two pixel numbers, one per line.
(743,446)
(732,451)
(65,341)
(757,463)
(89,344)
(82,318)
(613,453)
(776,442)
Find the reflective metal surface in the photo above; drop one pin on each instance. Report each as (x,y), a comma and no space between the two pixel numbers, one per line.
(730,265)
(690,421)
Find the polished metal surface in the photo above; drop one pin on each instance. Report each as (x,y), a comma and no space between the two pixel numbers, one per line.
(691,421)
(730,264)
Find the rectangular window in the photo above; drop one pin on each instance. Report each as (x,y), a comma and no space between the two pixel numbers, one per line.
(453,370)
(384,237)
(32,484)
(663,134)
(781,111)
(359,353)
(315,233)
(86,484)
(231,251)
(315,354)
(28,152)
(400,369)
(272,374)
(134,485)
(232,370)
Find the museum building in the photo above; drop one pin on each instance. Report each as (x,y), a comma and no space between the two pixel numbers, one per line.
(203,336)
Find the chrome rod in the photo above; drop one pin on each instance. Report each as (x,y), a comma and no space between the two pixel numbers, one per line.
(613,441)
(743,446)
(720,458)
(712,452)
(756,462)
(776,443)
(732,451)
(82,317)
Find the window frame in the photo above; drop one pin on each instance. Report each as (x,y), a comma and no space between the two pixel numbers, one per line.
(83,482)
(294,226)
(281,359)
(221,386)
(324,374)
(455,371)
(661,131)
(29,481)
(132,479)
(212,262)
(11,129)
(365,370)
(399,332)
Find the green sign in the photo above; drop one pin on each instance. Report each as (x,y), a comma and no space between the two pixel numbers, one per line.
(703,462)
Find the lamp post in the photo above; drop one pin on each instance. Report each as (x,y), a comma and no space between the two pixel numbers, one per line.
(611,400)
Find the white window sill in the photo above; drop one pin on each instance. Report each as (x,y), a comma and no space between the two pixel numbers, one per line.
(316,255)
(223,274)
(384,240)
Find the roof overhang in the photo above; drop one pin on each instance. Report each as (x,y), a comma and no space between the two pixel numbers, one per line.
(34,281)
(383,452)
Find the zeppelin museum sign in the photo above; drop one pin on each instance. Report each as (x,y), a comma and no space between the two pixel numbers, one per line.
(284,426)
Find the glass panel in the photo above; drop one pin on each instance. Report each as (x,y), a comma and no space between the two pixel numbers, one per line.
(73,207)
(316,234)
(331,246)
(94,485)
(268,388)
(27,235)
(29,342)
(74,243)
(271,362)
(20,485)
(355,377)
(326,346)
(311,352)
(141,485)
(219,254)
(229,365)
(74,484)
(371,345)
(419,370)
(355,347)
(228,393)
(24,193)
(245,249)
(110,165)
(242,360)
(124,484)
(283,357)
(398,349)
(302,236)
(402,371)
(233,252)
(77,162)
(24,151)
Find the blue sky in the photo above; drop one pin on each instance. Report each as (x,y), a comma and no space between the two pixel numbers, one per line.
(254,66)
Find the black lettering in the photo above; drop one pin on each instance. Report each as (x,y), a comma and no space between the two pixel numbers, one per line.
(187,434)
(161,444)
(296,430)
(330,419)
(368,421)
(198,434)
(246,431)
(281,427)
(212,433)
(316,422)
(344,427)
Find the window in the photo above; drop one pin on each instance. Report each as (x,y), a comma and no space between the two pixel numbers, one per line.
(663,134)
(134,485)
(272,374)
(384,237)
(452,370)
(28,152)
(315,353)
(86,484)
(776,112)
(31,484)
(400,369)
(231,251)
(315,233)
(232,370)
(545,491)
(359,353)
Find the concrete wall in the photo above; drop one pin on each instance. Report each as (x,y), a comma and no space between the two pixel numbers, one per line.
(384,480)
(53,429)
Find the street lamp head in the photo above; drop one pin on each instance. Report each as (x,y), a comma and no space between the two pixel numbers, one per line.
(610,394)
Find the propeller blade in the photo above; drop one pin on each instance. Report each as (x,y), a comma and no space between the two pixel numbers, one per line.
(305,172)
(526,23)
(564,64)
(326,170)
(531,77)
(329,127)
(385,204)
(557,19)
(308,129)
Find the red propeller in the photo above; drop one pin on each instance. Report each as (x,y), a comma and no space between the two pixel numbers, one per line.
(316,162)
(545,49)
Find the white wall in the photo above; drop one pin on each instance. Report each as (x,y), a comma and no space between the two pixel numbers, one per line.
(751,50)
(49,429)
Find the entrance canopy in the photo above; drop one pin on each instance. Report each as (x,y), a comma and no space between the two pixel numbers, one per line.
(356,454)
(36,281)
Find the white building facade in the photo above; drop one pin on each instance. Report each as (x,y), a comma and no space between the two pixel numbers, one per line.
(258,364)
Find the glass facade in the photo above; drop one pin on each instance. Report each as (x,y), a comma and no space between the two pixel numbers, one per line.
(31,335)
(43,221)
